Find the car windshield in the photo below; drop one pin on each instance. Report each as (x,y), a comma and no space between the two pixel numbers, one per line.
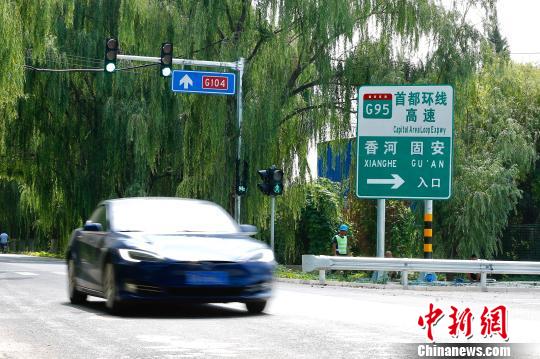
(170,216)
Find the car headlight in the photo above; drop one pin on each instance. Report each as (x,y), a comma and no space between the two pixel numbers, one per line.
(135,255)
(263,255)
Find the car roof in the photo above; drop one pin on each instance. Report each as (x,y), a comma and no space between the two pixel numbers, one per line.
(142,199)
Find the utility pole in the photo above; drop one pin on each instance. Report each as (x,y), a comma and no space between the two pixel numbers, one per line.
(237,66)
(239,109)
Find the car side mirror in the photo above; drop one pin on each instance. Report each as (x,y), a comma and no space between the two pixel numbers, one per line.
(92,227)
(248,229)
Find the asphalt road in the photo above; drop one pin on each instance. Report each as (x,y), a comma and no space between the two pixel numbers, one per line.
(302,321)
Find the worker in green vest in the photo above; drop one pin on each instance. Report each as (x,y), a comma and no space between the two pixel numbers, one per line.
(339,241)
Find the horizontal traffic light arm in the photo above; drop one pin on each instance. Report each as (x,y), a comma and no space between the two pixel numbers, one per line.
(232,65)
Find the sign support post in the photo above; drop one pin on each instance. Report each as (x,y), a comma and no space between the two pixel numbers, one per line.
(272,221)
(428,234)
(381,217)
(428,229)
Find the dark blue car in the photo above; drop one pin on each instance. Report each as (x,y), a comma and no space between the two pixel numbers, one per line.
(167,249)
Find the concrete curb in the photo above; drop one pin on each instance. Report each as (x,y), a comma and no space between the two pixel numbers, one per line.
(412,287)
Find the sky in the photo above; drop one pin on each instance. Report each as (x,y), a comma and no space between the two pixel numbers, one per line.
(519,22)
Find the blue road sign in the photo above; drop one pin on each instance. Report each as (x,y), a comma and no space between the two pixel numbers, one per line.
(217,83)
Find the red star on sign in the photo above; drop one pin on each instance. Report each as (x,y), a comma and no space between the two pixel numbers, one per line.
(378,96)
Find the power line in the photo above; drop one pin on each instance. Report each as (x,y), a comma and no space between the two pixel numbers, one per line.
(137,67)
(39,69)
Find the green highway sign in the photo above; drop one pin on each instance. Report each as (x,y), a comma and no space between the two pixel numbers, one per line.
(404,141)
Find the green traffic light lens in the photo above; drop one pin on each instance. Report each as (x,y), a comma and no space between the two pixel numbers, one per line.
(166,71)
(110,67)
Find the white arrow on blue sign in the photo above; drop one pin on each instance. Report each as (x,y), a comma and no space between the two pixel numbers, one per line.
(217,83)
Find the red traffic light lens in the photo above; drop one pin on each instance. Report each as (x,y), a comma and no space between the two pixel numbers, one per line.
(112,44)
(278,175)
(166,48)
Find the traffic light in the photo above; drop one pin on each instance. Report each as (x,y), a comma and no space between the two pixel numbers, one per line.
(277,185)
(166,59)
(266,185)
(241,181)
(272,181)
(111,51)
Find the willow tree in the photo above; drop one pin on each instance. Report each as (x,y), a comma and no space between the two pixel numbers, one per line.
(496,148)
(79,137)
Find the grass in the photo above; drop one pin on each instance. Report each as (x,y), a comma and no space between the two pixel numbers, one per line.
(357,276)
(45,254)
(284,272)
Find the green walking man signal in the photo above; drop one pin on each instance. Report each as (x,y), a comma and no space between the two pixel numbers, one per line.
(272,181)
(241,177)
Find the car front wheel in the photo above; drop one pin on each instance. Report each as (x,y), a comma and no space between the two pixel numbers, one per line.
(75,296)
(110,291)
(256,307)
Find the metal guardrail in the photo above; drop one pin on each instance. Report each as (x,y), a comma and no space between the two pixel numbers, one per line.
(406,265)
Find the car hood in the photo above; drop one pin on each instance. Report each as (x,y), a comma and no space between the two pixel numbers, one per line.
(196,247)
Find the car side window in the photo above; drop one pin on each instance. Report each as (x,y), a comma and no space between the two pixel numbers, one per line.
(100,216)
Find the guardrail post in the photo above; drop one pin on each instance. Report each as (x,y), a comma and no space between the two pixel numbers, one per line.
(483,281)
(322,276)
(405,279)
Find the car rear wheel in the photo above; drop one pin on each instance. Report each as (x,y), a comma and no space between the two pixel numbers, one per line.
(256,307)
(110,291)
(75,296)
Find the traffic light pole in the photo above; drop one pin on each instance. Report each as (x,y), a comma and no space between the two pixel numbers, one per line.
(238,66)
(238,198)
(272,221)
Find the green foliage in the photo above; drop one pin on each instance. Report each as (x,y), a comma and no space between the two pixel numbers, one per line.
(45,254)
(363,215)
(320,217)
(496,125)
(70,140)
(284,272)
(405,230)
(340,276)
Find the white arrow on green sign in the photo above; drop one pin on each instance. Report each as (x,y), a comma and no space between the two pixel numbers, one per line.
(396,181)
(404,141)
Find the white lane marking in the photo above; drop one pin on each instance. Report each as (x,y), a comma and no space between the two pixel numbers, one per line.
(26,273)
(60,273)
